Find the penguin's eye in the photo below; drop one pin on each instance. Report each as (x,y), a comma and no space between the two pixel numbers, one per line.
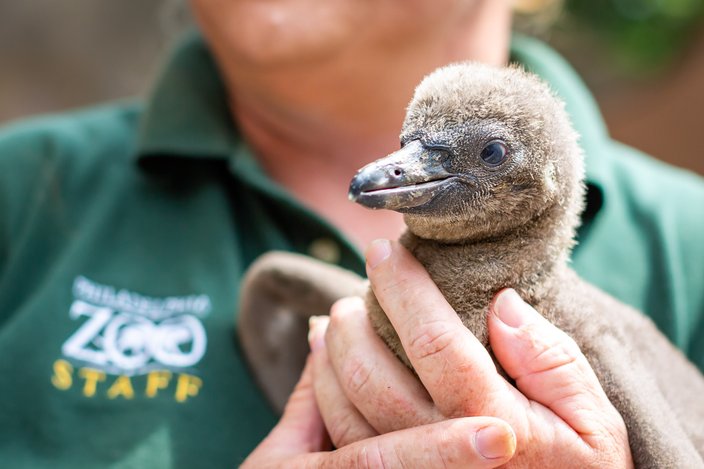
(494,153)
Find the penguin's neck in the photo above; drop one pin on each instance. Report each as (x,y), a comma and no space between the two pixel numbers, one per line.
(527,259)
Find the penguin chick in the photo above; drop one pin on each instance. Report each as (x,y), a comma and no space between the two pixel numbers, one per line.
(490,179)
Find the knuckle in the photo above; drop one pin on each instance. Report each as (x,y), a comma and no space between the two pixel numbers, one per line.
(549,352)
(357,373)
(444,451)
(348,304)
(338,313)
(433,339)
(371,456)
(612,441)
(390,283)
(343,430)
(402,287)
(341,318)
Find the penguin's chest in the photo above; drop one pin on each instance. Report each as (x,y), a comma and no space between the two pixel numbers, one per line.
(468,294)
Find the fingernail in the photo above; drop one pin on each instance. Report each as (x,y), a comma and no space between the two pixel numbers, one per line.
(511,309)
(378,251)
(316,332)
(495,441)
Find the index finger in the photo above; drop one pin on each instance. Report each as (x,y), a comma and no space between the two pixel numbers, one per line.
(445,354)
(477,442)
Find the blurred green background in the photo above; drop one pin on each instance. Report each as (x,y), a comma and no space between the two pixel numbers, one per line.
(638,36)
(643,59)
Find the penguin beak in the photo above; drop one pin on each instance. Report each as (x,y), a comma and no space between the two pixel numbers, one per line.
(407,178)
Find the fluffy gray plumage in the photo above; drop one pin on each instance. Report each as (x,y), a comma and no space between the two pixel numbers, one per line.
(511,222)
(487,226)
(490,179)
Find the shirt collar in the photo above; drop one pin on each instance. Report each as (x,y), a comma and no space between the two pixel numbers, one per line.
(187,114)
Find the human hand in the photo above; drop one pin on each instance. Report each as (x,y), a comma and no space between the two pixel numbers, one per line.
(300,440)
(558,410)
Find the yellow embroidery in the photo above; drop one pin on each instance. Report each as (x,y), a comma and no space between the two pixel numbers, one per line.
(121,387)
(62,378)
(92,377)
(183,387)
(187,386)
(157,380)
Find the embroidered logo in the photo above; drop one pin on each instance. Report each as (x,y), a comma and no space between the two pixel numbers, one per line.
(135,338)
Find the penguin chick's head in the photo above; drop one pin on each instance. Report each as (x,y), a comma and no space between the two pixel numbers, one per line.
(484,151)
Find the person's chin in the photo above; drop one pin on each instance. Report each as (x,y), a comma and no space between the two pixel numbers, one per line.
(284,33)
(262,52)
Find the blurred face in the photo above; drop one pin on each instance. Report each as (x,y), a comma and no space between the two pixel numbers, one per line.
(277,32)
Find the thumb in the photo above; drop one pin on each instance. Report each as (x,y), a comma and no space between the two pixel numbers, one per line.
(301,428)
(548,366)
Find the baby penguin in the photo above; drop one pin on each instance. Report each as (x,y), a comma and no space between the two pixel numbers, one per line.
(490,179)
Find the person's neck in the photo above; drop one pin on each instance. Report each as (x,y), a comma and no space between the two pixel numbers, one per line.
(312,126)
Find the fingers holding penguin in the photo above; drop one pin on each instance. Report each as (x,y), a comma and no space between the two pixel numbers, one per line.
(558,411)
(548,367)
(355,370)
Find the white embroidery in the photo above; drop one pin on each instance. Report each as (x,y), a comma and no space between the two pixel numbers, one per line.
(131,334)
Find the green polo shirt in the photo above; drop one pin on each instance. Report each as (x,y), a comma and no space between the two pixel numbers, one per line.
(124,233)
